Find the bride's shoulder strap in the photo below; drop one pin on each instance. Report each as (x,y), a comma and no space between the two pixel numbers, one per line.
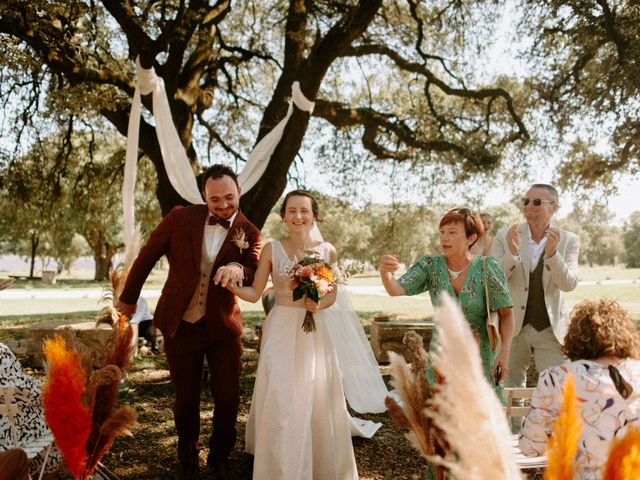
(276,250)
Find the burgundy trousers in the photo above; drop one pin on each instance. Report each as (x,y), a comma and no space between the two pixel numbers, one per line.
(185,353)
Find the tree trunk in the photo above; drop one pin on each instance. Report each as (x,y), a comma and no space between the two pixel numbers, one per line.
(103,265)
(35,240)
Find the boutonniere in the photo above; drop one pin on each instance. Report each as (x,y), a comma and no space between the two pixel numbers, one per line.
(239,238)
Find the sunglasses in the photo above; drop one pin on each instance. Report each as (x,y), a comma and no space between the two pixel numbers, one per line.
(536,201)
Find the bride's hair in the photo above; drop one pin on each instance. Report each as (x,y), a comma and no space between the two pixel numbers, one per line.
(315,207)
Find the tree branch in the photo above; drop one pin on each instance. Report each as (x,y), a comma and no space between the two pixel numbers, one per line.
(431,78)
(375,123)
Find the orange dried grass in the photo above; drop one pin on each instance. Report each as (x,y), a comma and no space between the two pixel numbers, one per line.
(67,416)
(563,443)
(624,457)
(92,404)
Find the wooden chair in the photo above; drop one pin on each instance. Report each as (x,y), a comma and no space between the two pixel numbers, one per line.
(518,405)
(522,398)
(9,408)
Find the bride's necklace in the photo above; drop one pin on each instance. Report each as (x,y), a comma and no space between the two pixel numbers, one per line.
(456,273)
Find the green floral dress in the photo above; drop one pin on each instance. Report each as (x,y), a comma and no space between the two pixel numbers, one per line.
(430,274)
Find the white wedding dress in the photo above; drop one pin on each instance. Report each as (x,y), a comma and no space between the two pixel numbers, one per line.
(299,427)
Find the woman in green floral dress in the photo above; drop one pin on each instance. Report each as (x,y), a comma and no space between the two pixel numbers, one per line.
(460,273)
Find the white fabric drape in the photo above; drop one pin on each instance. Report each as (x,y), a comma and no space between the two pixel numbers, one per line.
(259,157)
(175,158)
(177,165)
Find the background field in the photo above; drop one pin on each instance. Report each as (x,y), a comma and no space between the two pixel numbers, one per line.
(619,283)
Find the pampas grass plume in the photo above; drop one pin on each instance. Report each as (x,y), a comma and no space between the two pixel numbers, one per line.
(412,387)
(624,457)
(67,416)
(567,429)
(118,424)
(410,414)
(466,407)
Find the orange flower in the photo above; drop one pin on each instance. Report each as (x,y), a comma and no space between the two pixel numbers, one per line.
(325,273)
(68,417)
(624,457)
(563,443)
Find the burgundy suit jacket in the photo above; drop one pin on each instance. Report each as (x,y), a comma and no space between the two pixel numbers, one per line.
(179,237)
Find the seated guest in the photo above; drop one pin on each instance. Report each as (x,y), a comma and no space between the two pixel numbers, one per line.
(29,421)
(604,346)
(144,320)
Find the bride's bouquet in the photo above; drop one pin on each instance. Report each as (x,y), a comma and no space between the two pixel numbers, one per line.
(311,277)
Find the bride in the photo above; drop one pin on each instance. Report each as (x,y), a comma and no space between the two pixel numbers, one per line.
(298,426)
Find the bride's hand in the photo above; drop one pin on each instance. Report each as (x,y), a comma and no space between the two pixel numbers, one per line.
(389,264)
(311,306)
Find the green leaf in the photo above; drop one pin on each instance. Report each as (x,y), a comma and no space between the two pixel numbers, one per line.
(313,294)
(298,293)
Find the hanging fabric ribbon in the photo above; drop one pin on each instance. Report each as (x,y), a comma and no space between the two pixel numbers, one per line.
(259,157)
(176,162)
(175,159)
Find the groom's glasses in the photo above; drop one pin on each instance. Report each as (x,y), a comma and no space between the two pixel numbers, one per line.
(536,201)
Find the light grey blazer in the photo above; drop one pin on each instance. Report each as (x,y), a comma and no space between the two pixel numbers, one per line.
(560,274)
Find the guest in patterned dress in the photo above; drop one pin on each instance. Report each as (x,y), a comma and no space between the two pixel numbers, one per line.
(604,346)
(460,273)
(29,422)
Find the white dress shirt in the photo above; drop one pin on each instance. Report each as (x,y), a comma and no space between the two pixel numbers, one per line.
(535,250)
(214,236)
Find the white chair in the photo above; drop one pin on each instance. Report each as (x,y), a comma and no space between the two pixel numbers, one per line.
(518,405)
(9,408)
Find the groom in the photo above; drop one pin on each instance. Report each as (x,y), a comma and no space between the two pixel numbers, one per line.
(208,246)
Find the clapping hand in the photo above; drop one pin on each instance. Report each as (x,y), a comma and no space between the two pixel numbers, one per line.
(513,240)
(553,238)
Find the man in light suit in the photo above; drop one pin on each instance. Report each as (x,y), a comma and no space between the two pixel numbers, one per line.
(540,263)
(208,246)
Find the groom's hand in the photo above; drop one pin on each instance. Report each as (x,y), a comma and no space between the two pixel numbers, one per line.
(126,309)
(229,276)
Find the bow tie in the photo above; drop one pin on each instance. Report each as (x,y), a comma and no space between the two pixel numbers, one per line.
(219,221)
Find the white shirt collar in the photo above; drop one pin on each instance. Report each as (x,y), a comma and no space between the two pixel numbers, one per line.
(532,242)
